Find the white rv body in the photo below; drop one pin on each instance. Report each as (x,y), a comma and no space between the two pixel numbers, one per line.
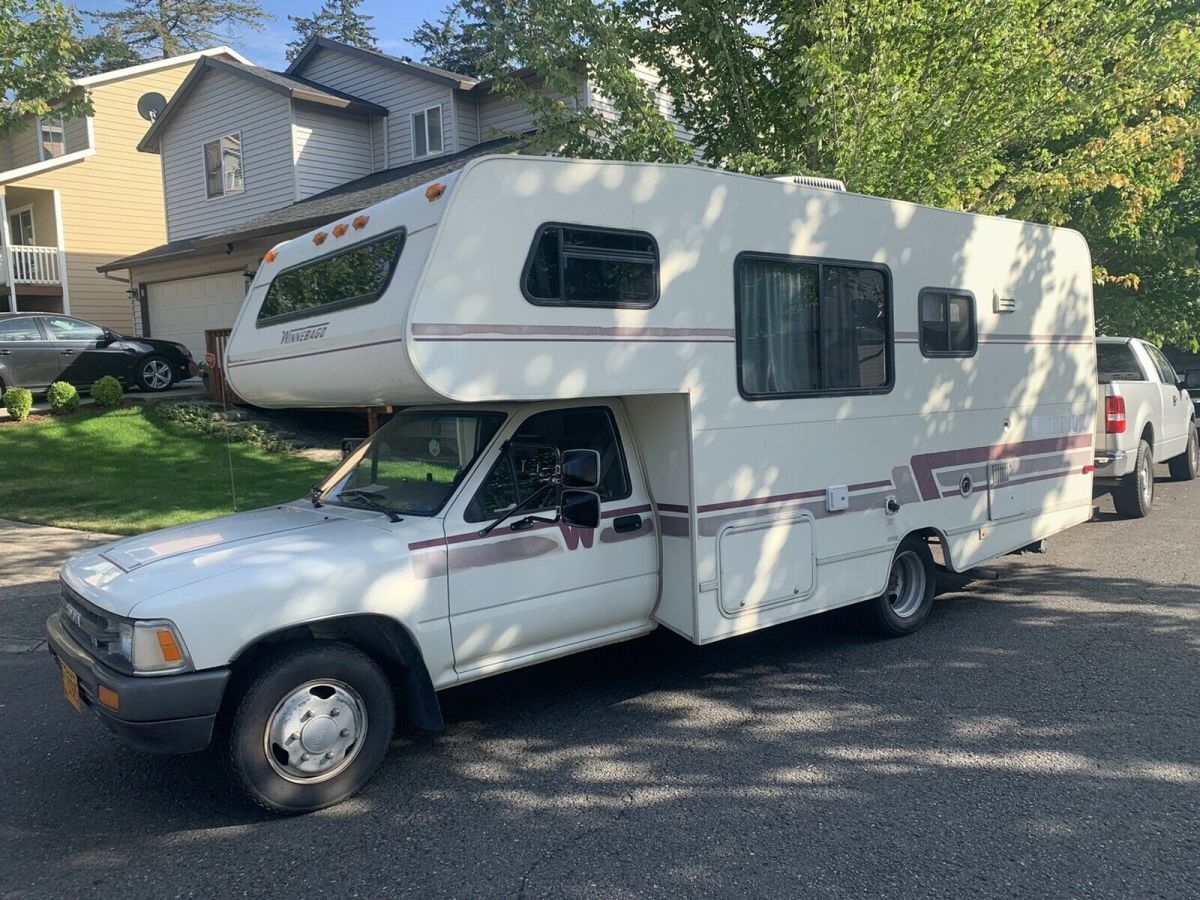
(743,490)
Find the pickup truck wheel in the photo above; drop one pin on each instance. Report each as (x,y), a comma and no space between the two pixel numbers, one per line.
(311,728)
(1185,466)
(905,603)
(1134,497)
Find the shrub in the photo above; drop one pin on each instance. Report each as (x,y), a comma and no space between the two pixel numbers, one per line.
(63,397)
(107,392)
(19,402)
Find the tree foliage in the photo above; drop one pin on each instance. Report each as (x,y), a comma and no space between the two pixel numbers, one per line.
(457,40)
(39,50)
(158,29)
(340,20)
(1070,112)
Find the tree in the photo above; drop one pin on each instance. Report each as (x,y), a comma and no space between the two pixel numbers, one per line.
(158,29)
(456,41)
(104,52)
(38,50)
(336,19)
(1070,112)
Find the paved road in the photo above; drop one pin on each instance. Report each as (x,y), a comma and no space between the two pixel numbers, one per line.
(1039,737)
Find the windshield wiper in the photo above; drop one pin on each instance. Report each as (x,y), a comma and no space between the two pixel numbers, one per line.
(373,502)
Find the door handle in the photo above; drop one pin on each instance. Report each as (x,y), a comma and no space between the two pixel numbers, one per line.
(627,523)
(66,352)
(5,352)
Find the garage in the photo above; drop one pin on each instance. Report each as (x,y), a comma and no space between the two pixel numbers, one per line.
(184,309)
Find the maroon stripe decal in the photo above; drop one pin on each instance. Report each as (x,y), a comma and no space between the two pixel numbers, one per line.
(258,362)
(468,536)
(924,464)
(570,340)
(455,329)
(674,508)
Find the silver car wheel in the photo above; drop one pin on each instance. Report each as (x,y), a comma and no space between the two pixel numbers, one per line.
(906,584)
(157,374)
(316,731)
(1146,482)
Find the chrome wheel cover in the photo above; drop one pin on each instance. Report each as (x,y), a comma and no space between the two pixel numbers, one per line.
(157,374)
(1145,477)
(316,731)
(906,584)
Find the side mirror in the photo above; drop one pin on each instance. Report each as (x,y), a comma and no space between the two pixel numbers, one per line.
(1182,384)
(108,337)
(580,468)
(581,509)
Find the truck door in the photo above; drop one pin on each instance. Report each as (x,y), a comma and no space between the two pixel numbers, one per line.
(1176,411)
(528,587)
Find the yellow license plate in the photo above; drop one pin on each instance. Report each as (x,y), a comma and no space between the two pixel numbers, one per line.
(71,688)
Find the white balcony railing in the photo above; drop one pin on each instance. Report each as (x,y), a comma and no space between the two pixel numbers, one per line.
(32,265)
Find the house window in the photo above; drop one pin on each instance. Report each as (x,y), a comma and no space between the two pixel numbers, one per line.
(52,137)
(427,132)
(223,166)
(20,226)
(356,275)
(947,323)
(811,327)
(572,266)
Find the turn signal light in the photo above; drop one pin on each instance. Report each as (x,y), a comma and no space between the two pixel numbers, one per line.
(270,256)
(434,191)
(166,643)
(1114,415)
(319,238)
(339,229)
(108,697)
(360,222)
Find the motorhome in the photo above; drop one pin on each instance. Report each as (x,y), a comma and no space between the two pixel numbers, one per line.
(630,396)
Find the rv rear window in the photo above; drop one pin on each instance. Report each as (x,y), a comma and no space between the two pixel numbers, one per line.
(353,276)
(947,323)
(810,327)
(572,266)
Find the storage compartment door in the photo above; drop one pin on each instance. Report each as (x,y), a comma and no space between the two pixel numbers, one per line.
(765,563)
(1002,494)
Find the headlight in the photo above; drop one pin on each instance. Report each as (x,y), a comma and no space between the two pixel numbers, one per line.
(153,646)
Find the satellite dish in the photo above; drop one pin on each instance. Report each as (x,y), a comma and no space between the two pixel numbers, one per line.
(150,105)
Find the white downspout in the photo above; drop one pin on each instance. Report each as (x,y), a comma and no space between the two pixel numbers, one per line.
(62,253)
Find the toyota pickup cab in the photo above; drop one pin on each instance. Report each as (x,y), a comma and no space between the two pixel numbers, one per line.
(1148,418)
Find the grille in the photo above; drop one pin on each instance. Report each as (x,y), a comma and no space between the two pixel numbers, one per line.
(89,625)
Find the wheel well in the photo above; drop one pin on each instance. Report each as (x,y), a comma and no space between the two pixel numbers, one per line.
(383,639)
(1148,434)
(935,539)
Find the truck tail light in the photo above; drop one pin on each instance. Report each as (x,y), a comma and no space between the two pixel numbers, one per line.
(1114,415)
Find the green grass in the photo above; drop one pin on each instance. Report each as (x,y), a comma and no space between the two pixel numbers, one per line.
(126,471)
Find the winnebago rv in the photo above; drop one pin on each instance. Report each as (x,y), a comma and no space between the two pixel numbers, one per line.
(632,395)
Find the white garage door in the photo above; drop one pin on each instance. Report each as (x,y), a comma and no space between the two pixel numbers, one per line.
(183,310)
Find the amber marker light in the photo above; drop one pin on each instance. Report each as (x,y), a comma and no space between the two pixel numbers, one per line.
(166,643)
(434,191)
(340,229)
(270,256)
(360,222)
(319,238)
(108,697)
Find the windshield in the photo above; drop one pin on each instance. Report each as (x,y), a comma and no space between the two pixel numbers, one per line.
(414,462)
(1116,362)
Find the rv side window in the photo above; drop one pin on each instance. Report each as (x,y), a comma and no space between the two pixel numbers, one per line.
(572,266)
(807,327)
(356,275)
(517,473)
(947,323)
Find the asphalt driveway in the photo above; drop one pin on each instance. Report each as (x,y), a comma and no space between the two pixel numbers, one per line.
(1038,737)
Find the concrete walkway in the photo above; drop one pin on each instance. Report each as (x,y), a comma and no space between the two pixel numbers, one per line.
(29,590)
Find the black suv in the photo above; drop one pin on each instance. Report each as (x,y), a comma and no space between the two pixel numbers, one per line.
(38,349)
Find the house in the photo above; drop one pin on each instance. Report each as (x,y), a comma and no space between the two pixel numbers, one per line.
(77,194)
(251,157)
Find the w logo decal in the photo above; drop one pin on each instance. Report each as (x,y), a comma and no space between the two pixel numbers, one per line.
(576,536)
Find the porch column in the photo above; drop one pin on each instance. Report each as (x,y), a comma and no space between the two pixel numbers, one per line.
(6,239)
(62,253)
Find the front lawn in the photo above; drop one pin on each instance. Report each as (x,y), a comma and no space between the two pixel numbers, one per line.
(126,470)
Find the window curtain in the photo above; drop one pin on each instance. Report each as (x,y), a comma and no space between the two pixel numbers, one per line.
(780,320)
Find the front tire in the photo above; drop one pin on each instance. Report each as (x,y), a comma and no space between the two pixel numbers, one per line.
(905,603)
(1185,466)
(154,374)
(311,728)
(1134,497)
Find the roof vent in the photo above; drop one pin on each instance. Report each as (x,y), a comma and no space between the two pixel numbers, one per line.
(828,184)
(1003,302)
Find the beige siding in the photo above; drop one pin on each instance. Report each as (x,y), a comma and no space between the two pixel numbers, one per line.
(112,201)
(23,147)
(402,94)
(662,100)
(330,149)
(222,104)
(501,114)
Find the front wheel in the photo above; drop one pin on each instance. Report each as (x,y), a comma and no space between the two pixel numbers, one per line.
(154,373)
(905,603)
(1185,466)
(311,728)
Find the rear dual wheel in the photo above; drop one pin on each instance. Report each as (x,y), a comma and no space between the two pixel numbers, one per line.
(904,605)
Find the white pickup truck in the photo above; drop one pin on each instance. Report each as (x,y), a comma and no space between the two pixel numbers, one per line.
(1148,418)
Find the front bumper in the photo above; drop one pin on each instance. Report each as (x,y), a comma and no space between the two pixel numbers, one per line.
(1113,464)
(159,714)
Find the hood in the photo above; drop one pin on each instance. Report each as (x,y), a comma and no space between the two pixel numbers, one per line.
(119,576)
